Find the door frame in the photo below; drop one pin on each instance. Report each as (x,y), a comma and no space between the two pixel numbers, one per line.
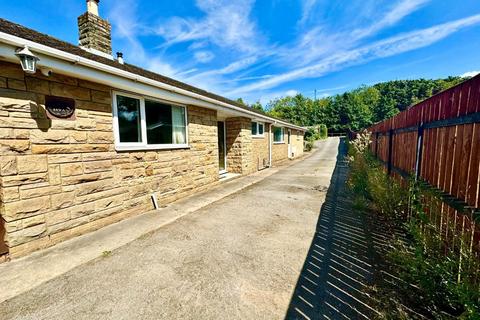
(224,147)
(289,142)
(3,245)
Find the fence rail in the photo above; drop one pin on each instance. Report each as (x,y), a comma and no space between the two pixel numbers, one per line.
(437,141)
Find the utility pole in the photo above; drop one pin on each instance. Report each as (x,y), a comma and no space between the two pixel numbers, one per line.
(315,95)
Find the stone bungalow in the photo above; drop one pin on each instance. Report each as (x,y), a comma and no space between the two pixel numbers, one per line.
(87,140)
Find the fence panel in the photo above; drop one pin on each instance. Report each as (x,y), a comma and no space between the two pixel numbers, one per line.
(437,142)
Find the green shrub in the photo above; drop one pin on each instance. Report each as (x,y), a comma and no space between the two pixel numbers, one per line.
(308,145)
(316,133)
(323,131)
(309,134)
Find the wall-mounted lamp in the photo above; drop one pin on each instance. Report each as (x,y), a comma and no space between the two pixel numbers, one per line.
(27,59)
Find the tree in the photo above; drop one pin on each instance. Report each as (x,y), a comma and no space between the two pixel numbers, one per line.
(359,108)
(240,100)
(257,106)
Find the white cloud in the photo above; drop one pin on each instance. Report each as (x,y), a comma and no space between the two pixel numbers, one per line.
(189,71)
(470,74)
(380,49)
(197,45)
(265,96)
(215,79)
(204,56)
(307,6)
(266,76)
(319,41)
(127,27)
(397,13)
(226,24)
(316,51)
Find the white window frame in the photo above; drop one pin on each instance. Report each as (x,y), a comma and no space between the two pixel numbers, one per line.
(258,126)
(283,135)
(131,146)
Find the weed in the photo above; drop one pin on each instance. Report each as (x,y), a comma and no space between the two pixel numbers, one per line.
(436,266)
(107,253)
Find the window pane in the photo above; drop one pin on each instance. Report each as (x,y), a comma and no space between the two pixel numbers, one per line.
(254,128)
(129,119)
(159,122)
(277,134)
(260,128)
(179,127)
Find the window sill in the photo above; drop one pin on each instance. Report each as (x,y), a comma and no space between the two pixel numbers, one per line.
(258,137)
(280,142)
(152,147)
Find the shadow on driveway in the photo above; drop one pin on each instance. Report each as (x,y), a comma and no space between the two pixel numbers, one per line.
(342,261)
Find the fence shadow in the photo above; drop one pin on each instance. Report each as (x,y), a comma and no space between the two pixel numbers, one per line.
(343,259)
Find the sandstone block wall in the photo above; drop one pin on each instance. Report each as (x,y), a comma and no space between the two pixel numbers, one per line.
(260,150)
(297,142)
(63,178)
(239,146)
(280,150)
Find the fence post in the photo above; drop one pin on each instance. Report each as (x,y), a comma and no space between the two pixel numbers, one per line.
(390,151)
(376,144)
(418,162)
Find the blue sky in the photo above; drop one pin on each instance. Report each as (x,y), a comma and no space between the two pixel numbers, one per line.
(259,50)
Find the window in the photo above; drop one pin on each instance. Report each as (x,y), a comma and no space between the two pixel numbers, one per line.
(260,129)
(257,129)
(278,135)
(142,123)
(129,118)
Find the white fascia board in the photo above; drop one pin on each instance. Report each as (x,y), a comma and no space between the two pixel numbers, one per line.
(76,66)
(118,83)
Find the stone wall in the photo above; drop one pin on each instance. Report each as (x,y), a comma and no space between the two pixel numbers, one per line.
(239,146)
(260,151)
(280,150)
(297,142)
(64,178)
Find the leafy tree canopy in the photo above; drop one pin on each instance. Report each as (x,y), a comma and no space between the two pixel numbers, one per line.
(358,108)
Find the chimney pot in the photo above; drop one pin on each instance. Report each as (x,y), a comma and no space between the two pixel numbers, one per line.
(120,57)
(92,6)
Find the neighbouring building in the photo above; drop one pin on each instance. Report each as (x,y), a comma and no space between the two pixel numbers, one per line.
(87,140)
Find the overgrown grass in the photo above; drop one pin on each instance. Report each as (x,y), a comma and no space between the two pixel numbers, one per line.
(438,276)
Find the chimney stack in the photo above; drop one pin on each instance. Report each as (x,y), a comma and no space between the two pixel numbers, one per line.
(95,32)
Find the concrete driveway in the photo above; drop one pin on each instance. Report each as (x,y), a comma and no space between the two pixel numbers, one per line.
(238,258)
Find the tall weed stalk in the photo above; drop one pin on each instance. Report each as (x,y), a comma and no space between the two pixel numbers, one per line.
(432,255)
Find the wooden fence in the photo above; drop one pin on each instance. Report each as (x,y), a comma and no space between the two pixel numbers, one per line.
(437,142)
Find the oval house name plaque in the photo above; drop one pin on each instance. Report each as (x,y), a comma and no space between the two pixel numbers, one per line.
(60,108)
